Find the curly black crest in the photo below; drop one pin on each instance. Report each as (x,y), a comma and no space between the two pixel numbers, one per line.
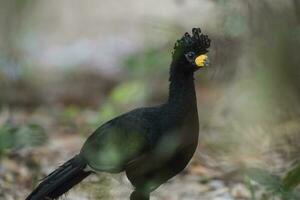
(198,42)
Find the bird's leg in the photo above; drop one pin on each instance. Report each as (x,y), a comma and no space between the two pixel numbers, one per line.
(139,195)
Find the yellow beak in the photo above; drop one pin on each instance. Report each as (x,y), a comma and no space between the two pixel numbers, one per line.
(201,61)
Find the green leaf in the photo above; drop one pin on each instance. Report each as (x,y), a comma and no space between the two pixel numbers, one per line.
(6,139)
(273,184)
(263,177)
(292,177)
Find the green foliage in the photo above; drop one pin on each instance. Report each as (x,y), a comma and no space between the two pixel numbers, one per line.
(6,140)
(271,182)
(14,138)
(292,178)
(274,185)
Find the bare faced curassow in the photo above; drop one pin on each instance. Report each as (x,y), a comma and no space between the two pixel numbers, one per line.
(151,144)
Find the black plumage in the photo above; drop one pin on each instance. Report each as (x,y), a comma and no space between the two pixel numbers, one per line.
(150,144)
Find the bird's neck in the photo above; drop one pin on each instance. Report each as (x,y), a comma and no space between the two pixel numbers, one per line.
(182,105)
(182,88)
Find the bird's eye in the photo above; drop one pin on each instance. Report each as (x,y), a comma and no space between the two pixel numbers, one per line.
(190,56)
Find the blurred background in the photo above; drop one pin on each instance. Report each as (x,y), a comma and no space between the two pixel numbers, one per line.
(68,66)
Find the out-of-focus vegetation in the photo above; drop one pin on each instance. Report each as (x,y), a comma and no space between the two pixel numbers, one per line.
(14,138)
(69,73)
(275,186)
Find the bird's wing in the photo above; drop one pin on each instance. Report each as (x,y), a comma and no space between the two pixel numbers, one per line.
(117,142)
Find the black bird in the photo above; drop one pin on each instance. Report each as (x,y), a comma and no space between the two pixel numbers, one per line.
(150,144)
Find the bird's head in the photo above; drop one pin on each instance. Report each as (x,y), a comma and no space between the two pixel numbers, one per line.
(190,51)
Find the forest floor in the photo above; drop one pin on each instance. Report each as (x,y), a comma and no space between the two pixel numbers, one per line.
(188,185)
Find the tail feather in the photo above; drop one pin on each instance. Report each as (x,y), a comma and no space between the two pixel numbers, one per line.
(61,180)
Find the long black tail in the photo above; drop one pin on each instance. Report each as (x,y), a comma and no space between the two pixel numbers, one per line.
(61,180)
